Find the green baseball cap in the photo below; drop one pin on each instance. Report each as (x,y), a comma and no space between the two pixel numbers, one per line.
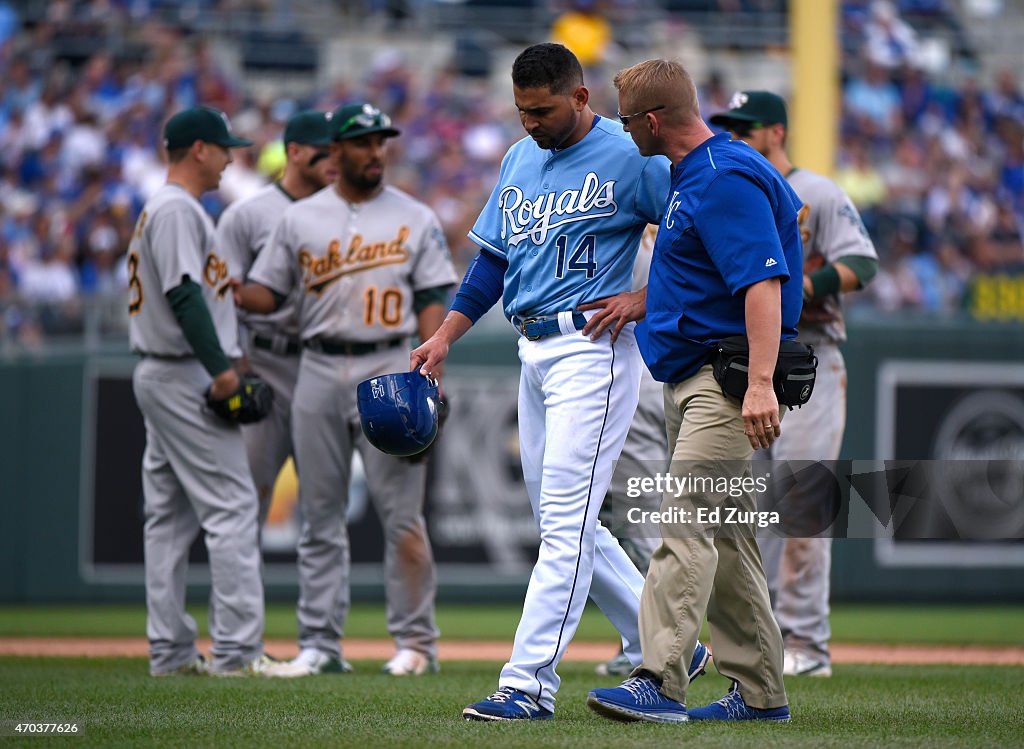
(310,128)
(753,106)
(353,120)
(200,123)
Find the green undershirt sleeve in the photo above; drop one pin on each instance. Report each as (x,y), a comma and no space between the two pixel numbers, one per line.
(825,281)
(426,297)
(194,318)
(862,266)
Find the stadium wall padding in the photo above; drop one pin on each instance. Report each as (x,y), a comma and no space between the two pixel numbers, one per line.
(47,411)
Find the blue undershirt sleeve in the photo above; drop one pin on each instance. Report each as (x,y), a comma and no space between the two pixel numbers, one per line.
(482,285)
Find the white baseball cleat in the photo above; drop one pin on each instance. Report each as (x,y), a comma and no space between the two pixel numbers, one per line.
(255,667)
(795,663)
(408,662)
(309,662)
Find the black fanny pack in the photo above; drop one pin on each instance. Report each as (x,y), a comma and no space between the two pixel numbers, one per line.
(794,371)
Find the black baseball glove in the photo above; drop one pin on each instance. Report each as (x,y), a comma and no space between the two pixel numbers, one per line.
(250,403)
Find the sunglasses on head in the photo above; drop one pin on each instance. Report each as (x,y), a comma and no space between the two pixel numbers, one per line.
(365,119)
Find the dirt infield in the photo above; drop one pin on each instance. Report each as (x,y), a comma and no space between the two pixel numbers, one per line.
(486,650)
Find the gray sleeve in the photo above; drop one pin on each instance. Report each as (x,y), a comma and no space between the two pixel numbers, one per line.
(434,261)
(275,266)
(176,239)
(233,242)
(840,230)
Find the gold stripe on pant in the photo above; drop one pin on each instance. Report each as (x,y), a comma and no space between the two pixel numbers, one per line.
(709,567)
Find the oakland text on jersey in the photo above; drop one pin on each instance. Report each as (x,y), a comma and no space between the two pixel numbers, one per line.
(524,218)
(320,272)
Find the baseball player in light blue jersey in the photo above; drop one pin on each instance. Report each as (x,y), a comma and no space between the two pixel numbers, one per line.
(561,228)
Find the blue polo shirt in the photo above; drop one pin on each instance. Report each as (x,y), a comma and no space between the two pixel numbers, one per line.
(730,221)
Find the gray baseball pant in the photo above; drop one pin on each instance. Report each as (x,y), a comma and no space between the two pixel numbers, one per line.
(798,569)
(325,428)
(195,476)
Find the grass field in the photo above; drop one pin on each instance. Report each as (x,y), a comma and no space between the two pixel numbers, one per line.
(895,624)
(861,706)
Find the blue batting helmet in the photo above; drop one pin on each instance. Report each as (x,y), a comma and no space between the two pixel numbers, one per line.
(398,412)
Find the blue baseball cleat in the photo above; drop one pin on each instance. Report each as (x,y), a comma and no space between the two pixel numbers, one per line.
(637,698)
(507,704)
(732,707)
(700,660)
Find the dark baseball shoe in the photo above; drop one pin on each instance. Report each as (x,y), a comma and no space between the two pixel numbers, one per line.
(196,667)
(507,704)
(637,698)
(732,707)
(617,666)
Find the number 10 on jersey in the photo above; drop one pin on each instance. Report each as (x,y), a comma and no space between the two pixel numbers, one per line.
(583,258)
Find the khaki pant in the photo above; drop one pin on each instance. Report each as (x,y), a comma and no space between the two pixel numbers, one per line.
(709,567)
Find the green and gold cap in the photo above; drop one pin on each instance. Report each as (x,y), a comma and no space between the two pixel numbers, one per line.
(353,120)
(762,107)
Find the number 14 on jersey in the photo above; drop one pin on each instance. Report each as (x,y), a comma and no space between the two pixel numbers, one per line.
(583,257)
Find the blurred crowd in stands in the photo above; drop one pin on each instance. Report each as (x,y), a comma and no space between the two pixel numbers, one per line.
(936,169)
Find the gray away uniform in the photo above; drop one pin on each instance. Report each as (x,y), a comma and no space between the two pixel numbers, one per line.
(194,471)
(645,452)
(356,267)
(798,568)
(271,342)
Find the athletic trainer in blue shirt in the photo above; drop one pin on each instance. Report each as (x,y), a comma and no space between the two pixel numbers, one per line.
(727,261)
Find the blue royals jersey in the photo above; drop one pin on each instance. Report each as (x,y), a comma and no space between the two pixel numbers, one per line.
(730,222)
(569,221)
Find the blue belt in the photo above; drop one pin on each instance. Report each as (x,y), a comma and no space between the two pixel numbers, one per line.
(535,328)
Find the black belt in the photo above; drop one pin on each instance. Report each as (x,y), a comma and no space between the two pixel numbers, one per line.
(165,357)
(535,328)
(349,348)
(289,347)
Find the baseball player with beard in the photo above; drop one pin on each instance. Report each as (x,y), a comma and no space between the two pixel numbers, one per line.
(195,475)
(838,257)
(561,227)
(371,268)
(271,342)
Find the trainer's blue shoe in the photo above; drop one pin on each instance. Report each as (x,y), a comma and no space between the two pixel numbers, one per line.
(507,704)
(700,660)
(637,698)
(732,707)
